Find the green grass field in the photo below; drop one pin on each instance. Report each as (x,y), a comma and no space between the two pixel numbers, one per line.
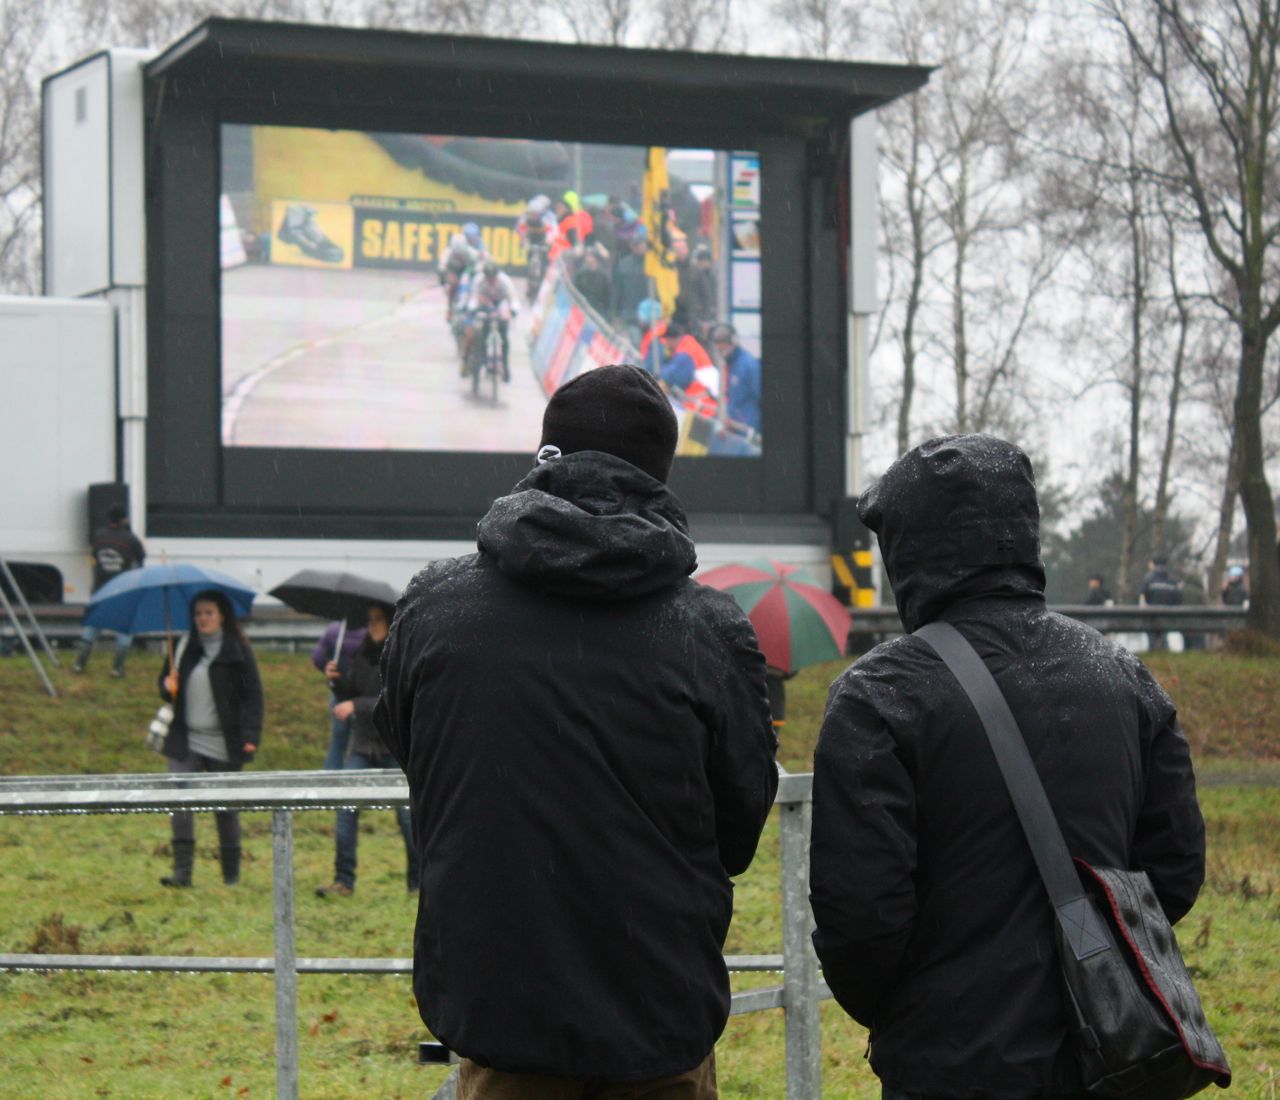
(89,884)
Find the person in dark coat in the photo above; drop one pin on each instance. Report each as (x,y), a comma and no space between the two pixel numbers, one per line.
(590,758)
(1235,593)
(933,927)
(356,683)
(592,282)
(630,286)
(322,656)
(1159,589)
(1098,594)
(116,550)
(698,292)
(217,722)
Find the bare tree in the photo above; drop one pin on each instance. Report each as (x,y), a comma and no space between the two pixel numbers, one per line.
(692,25)
(983,209)
(1100,144)
(969,234)
(1215,67)
(910,241)
(1182,307)
(827,29)
(1226,520)
(157,23)
(608,22)
(510,18)
(22,24)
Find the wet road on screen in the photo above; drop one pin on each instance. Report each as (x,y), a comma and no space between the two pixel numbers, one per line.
(360,360)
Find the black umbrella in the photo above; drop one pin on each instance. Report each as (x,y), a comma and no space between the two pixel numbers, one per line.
(332,595)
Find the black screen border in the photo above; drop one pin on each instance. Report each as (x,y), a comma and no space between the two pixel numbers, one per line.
(196,487)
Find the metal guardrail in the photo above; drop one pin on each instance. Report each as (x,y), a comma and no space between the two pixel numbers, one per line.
(283,794)
(1129,619)
(271,625)
(280,626)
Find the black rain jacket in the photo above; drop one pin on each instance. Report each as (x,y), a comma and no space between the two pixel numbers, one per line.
(587,739)
(933,926)
(237,696)
(361,682)
(1159,589)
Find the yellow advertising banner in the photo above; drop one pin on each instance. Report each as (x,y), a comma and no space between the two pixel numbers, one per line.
(660,260)
(338,165)
(312,234)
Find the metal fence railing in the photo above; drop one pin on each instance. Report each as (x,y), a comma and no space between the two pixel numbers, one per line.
(277,626)
(283,794)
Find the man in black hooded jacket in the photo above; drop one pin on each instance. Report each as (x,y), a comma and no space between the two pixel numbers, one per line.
(587,739)
(933,927)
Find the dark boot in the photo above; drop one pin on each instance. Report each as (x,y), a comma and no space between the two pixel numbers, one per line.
(184,858)
(82,656)
(230,858)
(117,666)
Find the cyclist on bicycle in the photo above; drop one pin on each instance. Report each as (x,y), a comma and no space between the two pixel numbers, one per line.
(457,260)
(538,222)
(537,225)
(537,228)
(495,295)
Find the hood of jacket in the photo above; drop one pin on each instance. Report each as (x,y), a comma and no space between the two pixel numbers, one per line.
(590,526)
(957,519)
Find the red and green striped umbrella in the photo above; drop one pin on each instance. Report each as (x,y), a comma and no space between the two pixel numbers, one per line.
(797,622)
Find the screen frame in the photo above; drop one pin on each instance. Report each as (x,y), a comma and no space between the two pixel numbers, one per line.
(198,487)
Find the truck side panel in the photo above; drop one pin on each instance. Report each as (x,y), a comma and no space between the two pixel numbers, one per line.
(58,427)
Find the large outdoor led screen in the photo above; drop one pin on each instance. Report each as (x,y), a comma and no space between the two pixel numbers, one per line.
(353,280)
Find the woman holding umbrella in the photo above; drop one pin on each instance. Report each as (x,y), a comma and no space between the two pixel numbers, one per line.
(357,685)
(217,723)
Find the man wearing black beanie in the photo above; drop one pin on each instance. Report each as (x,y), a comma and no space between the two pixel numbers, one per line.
(590,756)
(621,411)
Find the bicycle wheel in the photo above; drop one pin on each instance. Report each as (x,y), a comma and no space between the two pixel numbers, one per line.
(493,363)
(477,369)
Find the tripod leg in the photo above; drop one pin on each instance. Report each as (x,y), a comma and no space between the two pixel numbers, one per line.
(26,644)
(22,599)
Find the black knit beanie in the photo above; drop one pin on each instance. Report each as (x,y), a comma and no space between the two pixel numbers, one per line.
(620,410)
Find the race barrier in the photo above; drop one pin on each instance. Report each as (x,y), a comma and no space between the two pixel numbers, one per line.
(278,627)
(568,337)
(283,794)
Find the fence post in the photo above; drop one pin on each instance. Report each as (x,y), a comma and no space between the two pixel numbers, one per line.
(286,960)
(800,975)
(449,1089)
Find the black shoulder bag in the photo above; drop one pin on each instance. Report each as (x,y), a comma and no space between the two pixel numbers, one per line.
(1139,1027)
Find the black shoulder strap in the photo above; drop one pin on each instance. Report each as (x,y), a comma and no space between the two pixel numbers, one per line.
(1076,914)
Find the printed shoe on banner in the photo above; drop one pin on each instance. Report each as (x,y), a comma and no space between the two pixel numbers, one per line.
(300,230)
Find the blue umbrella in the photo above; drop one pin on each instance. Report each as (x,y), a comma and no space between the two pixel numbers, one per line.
(158,597)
